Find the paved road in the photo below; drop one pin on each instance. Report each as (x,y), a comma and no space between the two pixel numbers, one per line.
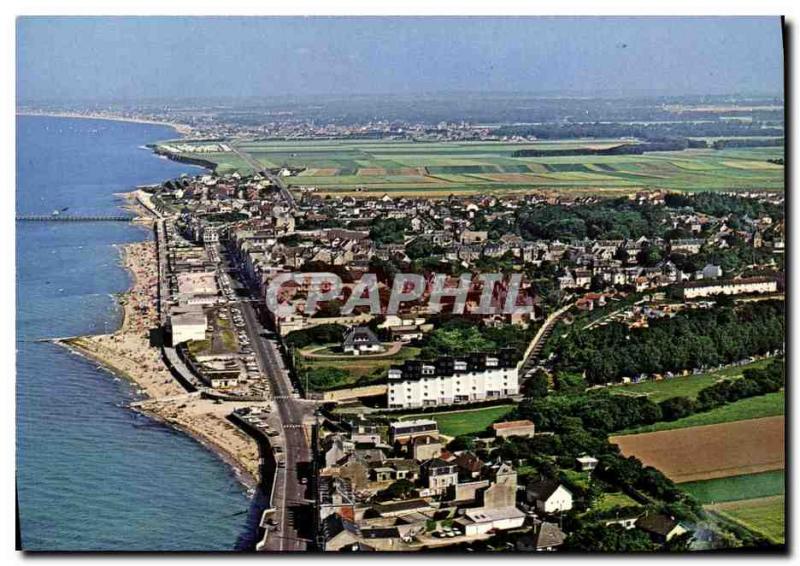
(290,492)
(287,197)
(289,499)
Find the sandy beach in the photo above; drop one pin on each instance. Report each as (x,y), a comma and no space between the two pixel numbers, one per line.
(182,129)
(127,353)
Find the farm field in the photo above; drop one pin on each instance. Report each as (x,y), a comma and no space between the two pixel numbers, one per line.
(713,451)
(444,168)
(683,386)
(765,515)
(736,488)
(769,405)
(456,423)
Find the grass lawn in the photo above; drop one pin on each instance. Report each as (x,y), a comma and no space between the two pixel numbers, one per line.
(735,488)
(684,386)
(471,421)
(359,370)
(764,516)
(769,405)
(611,500)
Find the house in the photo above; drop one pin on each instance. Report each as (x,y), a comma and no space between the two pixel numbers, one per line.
(474,236)
(469,465)
(549,496)
(481,520)
(406,430)
(360,340)
(626,521)
(523,428)
(426,447)
(438,475)
(546,537)
(711,271)
(586,463)
(661,528)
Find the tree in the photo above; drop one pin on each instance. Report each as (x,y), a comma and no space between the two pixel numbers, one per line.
(538,384)
(401,489)
(596,537)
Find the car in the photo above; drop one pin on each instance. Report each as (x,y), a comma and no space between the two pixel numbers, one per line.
(304,481)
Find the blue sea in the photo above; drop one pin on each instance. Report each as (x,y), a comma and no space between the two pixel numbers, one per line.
(91,474)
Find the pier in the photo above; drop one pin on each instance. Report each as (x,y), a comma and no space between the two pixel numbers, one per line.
(71,218)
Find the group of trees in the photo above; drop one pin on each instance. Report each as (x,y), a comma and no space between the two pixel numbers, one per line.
(571,409)
(608,220)
(596,411)
(456,336)
(321,334)
(389,230)
(689,340)
(719,205)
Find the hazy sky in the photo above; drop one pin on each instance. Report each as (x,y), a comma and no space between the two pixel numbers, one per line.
(134,58)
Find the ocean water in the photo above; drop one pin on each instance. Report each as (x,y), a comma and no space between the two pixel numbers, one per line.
(91,474)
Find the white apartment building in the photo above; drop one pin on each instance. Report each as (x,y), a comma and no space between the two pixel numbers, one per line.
(449,381)
(732,287)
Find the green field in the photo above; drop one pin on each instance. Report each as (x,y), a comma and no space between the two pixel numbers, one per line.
(442,168)
(736,488)
(358,370)
(470,421)
(764,516)
(769,405)
(684,386)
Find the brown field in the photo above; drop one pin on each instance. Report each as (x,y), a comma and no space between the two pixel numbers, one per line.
(711,451)
(371,171)
(325,172)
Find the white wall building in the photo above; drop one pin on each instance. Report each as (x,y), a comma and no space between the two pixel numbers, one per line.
(188,326)
(732,287)
(448,381)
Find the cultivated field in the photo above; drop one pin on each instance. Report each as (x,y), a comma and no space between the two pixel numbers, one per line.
(765,515)
(443,168)
(713,451)
(769,405)
(737,488)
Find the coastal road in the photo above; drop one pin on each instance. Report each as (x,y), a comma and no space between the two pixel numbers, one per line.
(290,494)
(293,510)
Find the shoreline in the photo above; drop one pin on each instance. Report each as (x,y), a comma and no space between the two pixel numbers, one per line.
(182,129)
(127,354)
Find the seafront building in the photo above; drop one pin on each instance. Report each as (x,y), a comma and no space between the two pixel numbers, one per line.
(449,380)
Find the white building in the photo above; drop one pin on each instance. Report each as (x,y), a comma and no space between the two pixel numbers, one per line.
(197,288)
(482,520)
(448,381)
(732,287)
(549,496)
(187,326)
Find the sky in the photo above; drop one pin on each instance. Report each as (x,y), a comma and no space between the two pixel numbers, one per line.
(136,58)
